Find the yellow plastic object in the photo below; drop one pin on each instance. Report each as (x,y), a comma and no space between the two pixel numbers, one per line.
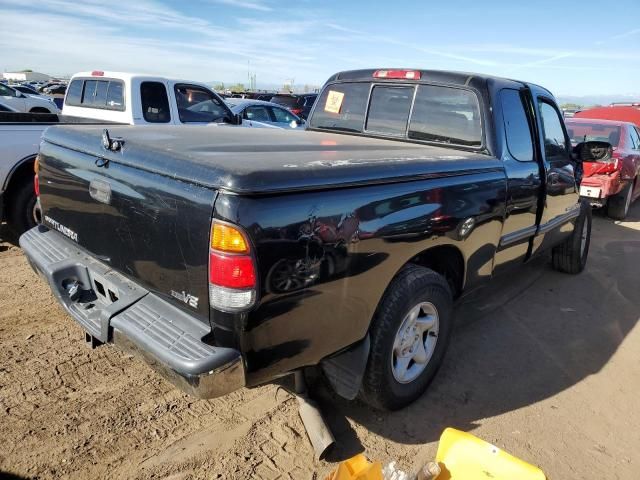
(357,468)
(462,456)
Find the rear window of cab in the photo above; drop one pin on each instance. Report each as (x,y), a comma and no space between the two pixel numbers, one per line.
(593,131)
(430,113)
(105,94)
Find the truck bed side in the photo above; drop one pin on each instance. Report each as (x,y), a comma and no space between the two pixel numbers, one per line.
(326,260)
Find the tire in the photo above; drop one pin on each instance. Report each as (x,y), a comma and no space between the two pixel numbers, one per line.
(21,214)
(412,288)
(571,255)
(618,205)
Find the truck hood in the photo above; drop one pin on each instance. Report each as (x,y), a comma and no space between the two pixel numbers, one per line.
(260,161)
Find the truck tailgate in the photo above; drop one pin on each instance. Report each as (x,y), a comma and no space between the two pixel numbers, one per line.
(150,227)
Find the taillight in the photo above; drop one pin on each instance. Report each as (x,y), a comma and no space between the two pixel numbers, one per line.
(296,111)
(398,74)
(613,164)
(232,271)
(97,73)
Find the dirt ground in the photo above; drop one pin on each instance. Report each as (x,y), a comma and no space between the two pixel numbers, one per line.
(542,364)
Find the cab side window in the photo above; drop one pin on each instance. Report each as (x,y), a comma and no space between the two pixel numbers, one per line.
(516,126)
(555,142)
(155,103)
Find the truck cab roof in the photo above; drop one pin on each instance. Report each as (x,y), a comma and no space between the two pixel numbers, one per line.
(433,76)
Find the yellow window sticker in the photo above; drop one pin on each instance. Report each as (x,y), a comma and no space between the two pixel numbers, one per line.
(334,102)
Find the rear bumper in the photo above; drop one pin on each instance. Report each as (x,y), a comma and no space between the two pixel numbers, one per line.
(608,184)
(113,309)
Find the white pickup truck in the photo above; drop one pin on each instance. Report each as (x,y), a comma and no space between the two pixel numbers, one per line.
(139,99)
(98,97)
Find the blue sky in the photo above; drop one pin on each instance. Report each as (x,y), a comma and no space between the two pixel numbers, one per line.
(571,47)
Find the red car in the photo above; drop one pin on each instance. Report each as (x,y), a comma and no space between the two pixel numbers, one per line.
(612,184)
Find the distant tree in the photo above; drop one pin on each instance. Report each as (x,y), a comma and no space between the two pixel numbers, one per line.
(28,70)
(238,87)
(286,88)
(219,87)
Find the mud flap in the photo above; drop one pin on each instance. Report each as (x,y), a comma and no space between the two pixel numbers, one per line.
(346,370)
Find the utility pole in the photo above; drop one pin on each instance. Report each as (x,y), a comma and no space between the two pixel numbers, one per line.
(251,77)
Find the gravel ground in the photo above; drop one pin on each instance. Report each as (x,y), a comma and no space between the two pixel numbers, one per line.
(542,364)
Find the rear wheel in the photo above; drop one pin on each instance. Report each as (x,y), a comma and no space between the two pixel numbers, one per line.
(571,255)
(23,212)
(409,336)
(618,205)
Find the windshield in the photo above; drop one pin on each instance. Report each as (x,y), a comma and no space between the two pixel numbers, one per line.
(286,100)
(430,113)
(589,132)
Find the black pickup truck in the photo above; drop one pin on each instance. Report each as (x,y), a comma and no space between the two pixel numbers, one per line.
(231,257)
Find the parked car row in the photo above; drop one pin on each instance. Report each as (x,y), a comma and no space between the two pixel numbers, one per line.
(22,101)
(298,104)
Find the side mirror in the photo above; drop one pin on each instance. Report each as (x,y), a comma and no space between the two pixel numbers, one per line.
(237,119)
(20,94)
(592,151)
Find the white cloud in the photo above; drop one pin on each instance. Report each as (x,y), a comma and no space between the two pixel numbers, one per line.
(305,43)
(251,5)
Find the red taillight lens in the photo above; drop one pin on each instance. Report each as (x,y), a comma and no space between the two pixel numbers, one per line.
(231,271)
(398,74)
(36,185)
(97,73)
(296,111)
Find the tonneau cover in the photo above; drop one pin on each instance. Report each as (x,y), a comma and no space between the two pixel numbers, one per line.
(258,161)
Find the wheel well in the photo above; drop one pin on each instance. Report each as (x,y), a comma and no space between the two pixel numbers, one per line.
(447,261)
(39,110)
(21,174)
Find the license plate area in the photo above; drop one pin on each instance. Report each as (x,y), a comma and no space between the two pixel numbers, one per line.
(590,192)
(93,294)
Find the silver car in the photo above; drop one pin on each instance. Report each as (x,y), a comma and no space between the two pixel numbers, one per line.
(256,113)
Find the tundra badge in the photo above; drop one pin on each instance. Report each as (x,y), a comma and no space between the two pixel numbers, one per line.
(66,231)
(186,298)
